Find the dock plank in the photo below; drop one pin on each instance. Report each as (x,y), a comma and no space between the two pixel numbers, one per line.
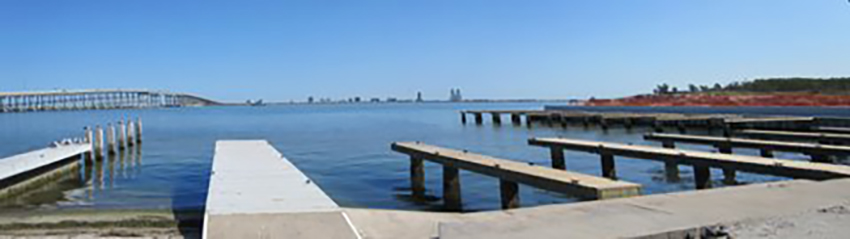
(541,177)
(778,167)
(751,143)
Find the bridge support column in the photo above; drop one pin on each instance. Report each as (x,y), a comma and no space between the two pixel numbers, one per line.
(463,117)
(451,188)
(510,194)
(478,118)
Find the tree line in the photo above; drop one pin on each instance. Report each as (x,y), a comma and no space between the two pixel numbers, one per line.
(814,85)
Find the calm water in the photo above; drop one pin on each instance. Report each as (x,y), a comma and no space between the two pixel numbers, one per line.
(344,148)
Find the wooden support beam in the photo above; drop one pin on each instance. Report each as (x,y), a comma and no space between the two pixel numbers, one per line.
(556,180)
(778,167)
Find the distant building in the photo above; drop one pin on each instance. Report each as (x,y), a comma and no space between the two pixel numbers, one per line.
(455,95)
(419,96)
(375,100)
(357,99)
(391,99)
(310,99)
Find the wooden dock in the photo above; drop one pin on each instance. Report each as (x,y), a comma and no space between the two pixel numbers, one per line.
(254,192)
(818,152)
(510,173)
(701,161)
(23,171)
(822,138)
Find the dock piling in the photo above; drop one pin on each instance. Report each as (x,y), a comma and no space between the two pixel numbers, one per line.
(139,130)
(510,194)
(417,176)
(515,119)
(451,188)
(558,160)
(671,168)
(702,177)
(110,139)
(463,117)
(98,142)
(609,169)
(122,135)
(767,153)
(497,118)
(479,119)
(130,133)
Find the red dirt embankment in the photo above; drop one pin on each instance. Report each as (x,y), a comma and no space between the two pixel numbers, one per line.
(708,99)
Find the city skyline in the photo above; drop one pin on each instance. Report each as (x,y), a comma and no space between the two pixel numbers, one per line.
(493,50)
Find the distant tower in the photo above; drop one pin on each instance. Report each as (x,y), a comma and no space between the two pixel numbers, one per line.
(310,99)
(419,96)
(455,95)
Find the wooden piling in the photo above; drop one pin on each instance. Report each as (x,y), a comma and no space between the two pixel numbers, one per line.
(110,139)
(479,119)
(98,142)
(510,194)
(417,176)
(451,188)
(767,153)
(558,160)
(463,117)
(609,170)
(702,177)
(122,135)
(139,130)
(728,173)
(671,168)
(130,133)
(497,118)
(515,119)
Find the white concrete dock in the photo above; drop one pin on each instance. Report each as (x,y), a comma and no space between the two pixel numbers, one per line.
(16,169)
(254,192)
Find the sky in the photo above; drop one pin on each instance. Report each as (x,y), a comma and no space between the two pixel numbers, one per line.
(290,50)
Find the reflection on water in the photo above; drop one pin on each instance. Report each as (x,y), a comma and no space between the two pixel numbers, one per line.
(123,165)
(46,191)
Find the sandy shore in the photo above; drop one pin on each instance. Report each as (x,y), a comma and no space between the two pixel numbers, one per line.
(89,223)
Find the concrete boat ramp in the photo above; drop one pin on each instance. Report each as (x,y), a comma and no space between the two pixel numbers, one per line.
(22,171)
(256,193)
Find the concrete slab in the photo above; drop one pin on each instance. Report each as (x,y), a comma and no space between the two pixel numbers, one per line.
(255,192)
(27,162)
(653,215)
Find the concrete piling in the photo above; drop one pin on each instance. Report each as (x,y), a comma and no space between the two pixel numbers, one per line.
(515,119)
(671,168)
(89,139)
(463,117)
(497,118)
(702,177)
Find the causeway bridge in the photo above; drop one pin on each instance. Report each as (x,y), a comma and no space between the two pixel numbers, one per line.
(96,99)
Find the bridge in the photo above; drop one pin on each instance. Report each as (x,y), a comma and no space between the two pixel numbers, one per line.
(96,99)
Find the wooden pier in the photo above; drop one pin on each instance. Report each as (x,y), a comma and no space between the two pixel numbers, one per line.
(818,152)
(255,192)
(701,161)
(509,173)
(822,138)
(25,171)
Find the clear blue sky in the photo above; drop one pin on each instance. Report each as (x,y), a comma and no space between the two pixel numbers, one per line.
(282,50)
